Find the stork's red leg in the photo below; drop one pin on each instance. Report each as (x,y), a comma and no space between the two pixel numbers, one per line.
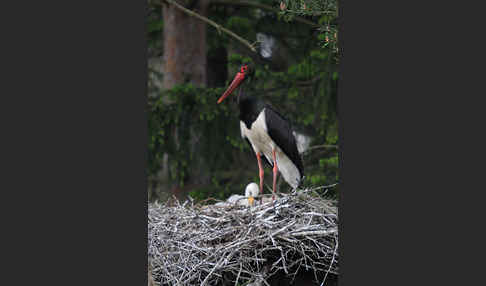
(275,173)
(260,169)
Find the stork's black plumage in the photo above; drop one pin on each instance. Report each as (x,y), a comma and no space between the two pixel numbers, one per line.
(268,133)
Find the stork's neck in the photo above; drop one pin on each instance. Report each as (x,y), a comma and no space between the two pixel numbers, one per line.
(250,107)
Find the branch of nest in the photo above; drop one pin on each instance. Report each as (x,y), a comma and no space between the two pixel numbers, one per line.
(202,245)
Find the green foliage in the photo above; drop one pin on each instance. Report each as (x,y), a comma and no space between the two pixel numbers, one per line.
(240,25)
(154,30)
(172,116)
(326,13)
(155,26)
(199,134)
(203,138)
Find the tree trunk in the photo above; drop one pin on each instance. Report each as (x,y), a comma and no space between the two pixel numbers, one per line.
(184,45)
(184,61)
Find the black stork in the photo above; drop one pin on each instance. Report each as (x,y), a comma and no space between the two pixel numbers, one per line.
(267,132)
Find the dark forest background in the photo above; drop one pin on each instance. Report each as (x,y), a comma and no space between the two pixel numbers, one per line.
(195,146)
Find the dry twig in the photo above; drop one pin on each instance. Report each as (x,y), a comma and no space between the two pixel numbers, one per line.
(190,244)
(210,22)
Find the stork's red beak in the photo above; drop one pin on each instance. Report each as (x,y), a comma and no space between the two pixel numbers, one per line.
(234,84)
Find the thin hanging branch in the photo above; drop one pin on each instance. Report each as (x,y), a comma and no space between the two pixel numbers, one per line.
(324,146)
(212,23)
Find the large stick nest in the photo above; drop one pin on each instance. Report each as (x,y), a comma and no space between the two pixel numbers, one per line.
(192,244)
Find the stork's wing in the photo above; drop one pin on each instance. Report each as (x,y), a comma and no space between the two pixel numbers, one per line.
(281,133)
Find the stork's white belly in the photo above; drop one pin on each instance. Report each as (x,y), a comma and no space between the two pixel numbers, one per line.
(258,136)
(261,142)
